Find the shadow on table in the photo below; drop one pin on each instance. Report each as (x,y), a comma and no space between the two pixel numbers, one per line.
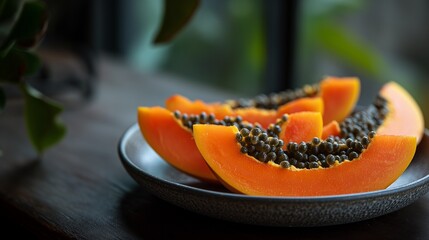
(12,224)
(150,217)
(18,176)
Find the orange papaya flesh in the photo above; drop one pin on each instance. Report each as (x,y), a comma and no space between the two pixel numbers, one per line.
(340,96)
(405,116)
(307,104)
(252,115)
(173,142)
(266,117)
(172,138)
(185,105)
(334,97)
(301,127)
(331,129)
(384,160)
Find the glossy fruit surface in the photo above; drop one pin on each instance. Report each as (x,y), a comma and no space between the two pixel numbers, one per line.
(173,142)
(376,168)
(405,116)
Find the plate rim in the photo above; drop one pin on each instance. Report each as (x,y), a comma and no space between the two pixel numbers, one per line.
(126,161)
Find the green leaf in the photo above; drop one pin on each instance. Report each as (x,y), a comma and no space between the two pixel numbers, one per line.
(345,45)
(4,51)
(176,15)
(2,99)
(41,117)
(31,25)
(9,15)
(10,10)
(16,64)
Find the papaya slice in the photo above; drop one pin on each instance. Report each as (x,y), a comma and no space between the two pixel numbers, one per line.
(404,116)
(384,160)
(334,97)
(302,126)
(331,129)
(394,112)
(173,142)
(307,104)
(183,104)
(253,115)
(340,96)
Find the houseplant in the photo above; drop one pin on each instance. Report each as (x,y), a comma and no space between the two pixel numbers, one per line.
(23,24)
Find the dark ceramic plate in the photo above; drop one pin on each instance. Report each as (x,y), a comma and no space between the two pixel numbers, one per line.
(162,180)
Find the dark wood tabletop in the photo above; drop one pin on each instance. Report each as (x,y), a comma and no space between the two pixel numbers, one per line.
(80,190)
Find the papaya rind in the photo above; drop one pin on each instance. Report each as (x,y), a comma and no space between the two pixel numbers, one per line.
(405,116)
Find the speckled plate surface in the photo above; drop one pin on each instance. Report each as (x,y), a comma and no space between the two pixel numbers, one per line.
(165,182)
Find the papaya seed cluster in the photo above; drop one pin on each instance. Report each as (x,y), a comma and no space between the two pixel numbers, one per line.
(188,120)
(275,100)
(362,122)
(356,134)
(318,153)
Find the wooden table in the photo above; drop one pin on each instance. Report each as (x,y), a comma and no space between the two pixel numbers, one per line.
(79,190)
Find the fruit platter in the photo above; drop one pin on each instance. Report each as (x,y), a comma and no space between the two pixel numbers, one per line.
(302,157)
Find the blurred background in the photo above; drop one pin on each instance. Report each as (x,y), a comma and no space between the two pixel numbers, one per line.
(250,47)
